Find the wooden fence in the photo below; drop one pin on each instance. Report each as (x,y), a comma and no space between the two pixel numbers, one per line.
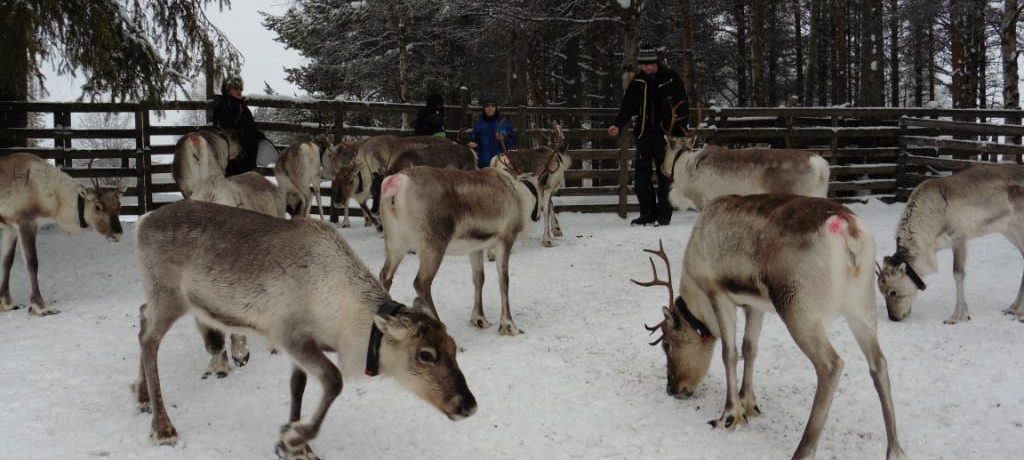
(874,152)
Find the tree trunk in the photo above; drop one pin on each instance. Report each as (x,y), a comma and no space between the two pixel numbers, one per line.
(629,43)
(871,92)
(841,75)
(957,52)
(740,15)
(688,73)
(894,56)
(798,13)
(758,57)
(14,75)
(1008,49)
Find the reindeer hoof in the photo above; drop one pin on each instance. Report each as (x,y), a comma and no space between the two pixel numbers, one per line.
(729,422)
(346,225)
(37,310)
(306,453)
(6,305)
(165,436)
(548,243)
(241,361)
(480,323)
(509,329)
(557,233)
(273,351)
(957,319)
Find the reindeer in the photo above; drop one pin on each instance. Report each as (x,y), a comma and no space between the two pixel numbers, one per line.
(434,211)
(31,189)
(307,293)
(946,212)
(382,156)
(805,258)
(701,175)
(298,175)
(203,154)
(549,164)
(253,192)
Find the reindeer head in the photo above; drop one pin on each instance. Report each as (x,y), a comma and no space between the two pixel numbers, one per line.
(418,352)
(676,146)
(353,180)
(101,207)
(686,341)
(897,286)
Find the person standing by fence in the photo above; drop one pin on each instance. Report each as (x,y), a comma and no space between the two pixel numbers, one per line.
(430,119)
(492,134)
(231,112)
(651,97)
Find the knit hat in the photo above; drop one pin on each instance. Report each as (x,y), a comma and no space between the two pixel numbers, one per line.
(646,54)
(488,99)
(232,82)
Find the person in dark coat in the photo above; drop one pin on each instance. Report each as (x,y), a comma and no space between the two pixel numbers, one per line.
(488,132)
(231,112)
(430,119)
(650,97)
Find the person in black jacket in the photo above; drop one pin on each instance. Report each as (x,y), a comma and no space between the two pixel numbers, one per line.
(651,97)
(430,119)
(231,112)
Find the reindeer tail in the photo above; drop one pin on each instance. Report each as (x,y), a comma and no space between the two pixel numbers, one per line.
(391,191)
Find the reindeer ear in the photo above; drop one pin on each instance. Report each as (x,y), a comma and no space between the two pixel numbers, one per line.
(394,328)
(86,193)
(121,189)
(902,268)
(670,319)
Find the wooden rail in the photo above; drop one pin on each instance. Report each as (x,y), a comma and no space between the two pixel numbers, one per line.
(874,151)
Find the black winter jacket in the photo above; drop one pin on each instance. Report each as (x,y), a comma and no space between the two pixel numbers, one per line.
(650,98)
(231,113)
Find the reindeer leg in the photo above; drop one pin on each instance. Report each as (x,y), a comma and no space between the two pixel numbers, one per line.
(393,256)
(368,216)
(239,349)
(430,261)
(556,227)
(27,239)
(959,259)
(733,414)
(478,319)
(296,435)
(502,250)
(139,388)
(157,317)
(1017,307)
(213,340)
(809,333)
(864,329)
(546,240)
(751,335)
(7,250)
(298,386)
(319,208)
(345,223)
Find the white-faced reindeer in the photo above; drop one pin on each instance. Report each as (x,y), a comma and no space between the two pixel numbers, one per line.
(699,176)
(253,192)
(379,156)
(202,154)
(31,190)
(805,258)
(298,175)
(549,165)
(946,212)
(434,211)
(307,293)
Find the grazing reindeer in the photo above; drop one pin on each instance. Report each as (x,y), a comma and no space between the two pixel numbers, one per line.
(806,259)
(307,293)
(699,176)
(298,175)
(549,164)
(31,189)
(434,211)
(361,179)
(946,212)
(249,191)
(201,155)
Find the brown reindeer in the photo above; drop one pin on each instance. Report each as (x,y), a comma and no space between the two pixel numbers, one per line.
(31,190)
(807,259)
(203,154)
(253,192)
(307,293)
(436,211)
(298,175)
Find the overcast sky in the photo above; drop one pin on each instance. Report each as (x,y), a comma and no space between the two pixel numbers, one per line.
(264,58)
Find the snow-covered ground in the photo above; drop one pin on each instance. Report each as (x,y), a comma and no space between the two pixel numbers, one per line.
(580,383)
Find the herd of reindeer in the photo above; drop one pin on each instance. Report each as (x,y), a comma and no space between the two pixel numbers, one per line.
(767,240)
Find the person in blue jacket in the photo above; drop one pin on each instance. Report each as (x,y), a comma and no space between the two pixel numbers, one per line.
(488,131)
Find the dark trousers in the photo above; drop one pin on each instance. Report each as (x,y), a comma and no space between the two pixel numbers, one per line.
(650,151)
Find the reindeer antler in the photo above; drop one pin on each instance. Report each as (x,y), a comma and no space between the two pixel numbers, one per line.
(656,281)
(559,135)
(675,119)
(92,177)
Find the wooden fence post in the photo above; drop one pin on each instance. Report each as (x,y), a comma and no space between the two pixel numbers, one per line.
(147,159)
(140,159)
(61,137)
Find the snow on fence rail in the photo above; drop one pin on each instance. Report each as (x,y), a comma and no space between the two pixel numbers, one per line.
(875,151)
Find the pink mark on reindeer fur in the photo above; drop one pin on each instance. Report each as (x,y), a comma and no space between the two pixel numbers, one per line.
(196,140)
(837,225)
(391,185)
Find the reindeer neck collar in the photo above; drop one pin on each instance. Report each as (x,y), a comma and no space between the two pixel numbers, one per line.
(81,212)
(702,329)
(899,258)
(535,215)
(388,308)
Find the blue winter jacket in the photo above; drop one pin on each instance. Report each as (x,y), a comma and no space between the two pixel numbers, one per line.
(488,145)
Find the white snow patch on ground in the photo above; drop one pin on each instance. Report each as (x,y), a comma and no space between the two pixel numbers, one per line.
(580,383)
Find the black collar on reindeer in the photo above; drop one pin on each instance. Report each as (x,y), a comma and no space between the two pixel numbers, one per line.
(81,212)
(898,259)
(702,329)
(388,308)
(536,207)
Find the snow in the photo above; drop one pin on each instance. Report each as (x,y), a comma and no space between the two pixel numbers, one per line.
(580,383)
